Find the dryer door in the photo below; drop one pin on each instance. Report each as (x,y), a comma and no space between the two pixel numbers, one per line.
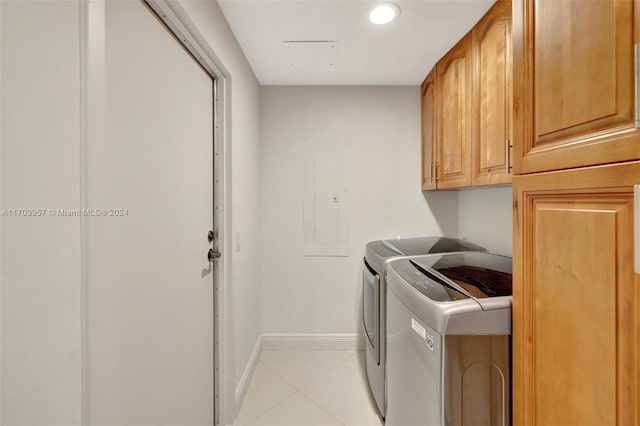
(371,309)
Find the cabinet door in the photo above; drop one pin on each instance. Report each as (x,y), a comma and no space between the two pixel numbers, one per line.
(574,83)
(453,109)
(428,132)
(492,96)
(576,298)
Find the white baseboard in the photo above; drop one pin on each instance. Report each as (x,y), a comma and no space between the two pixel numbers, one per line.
(243,384)
(314,342)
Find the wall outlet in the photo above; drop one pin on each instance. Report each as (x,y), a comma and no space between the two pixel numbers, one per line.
(238,241)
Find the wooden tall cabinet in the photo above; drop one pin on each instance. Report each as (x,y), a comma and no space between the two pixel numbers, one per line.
(429,145)
(576,296)
(492,97)
(453,116)
(573,79)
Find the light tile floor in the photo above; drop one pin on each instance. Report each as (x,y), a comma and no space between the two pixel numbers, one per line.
(300,388)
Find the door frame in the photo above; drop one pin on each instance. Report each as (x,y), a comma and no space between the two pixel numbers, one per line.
(92,89)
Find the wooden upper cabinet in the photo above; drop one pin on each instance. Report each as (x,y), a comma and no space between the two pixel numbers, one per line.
(467,108)
(492,97)
(453,112)
(428,131)
(574,83)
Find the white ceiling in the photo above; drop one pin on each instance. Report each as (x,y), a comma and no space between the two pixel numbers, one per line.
(360,53)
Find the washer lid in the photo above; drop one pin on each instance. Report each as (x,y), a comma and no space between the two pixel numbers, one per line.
(427,283)
(454,293)
(428,245)
(379,252)
(480,275)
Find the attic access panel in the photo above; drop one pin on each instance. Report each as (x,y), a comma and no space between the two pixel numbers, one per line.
(311,55)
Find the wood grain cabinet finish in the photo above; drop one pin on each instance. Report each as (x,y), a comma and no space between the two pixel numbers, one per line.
(453,116)
(428,132)
(576,298)
(467,108)
(573,65)
(492,97)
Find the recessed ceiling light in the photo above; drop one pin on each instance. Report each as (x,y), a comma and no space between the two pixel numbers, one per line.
(384,13)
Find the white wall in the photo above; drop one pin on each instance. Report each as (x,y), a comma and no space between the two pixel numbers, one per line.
(40,268)
(311,295)
(245,93)
(41,258)
(485,216)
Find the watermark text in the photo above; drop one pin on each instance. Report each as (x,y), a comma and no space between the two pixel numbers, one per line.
(31,212)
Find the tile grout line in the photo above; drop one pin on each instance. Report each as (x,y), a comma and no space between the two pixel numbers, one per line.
(305,397)
(349,354)
(305,388)
(299,389)
(317,403)
(321,407)
(272,408)
(285,380)
(277,403)
(279,376)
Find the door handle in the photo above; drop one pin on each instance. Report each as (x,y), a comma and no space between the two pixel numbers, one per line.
(213,255)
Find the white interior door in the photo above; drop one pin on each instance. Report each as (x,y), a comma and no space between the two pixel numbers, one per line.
(151,289)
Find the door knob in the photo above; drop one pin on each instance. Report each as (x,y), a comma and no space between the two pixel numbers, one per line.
(210,236)
(213,255)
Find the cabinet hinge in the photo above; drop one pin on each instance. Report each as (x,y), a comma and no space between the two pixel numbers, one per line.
(515,203)
(637,83)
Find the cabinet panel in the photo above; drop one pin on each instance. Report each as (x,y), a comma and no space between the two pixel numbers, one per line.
(454,73)
(584,329)
(492,96)
(575,50)
(428,132)
(574,83)
(576,298)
